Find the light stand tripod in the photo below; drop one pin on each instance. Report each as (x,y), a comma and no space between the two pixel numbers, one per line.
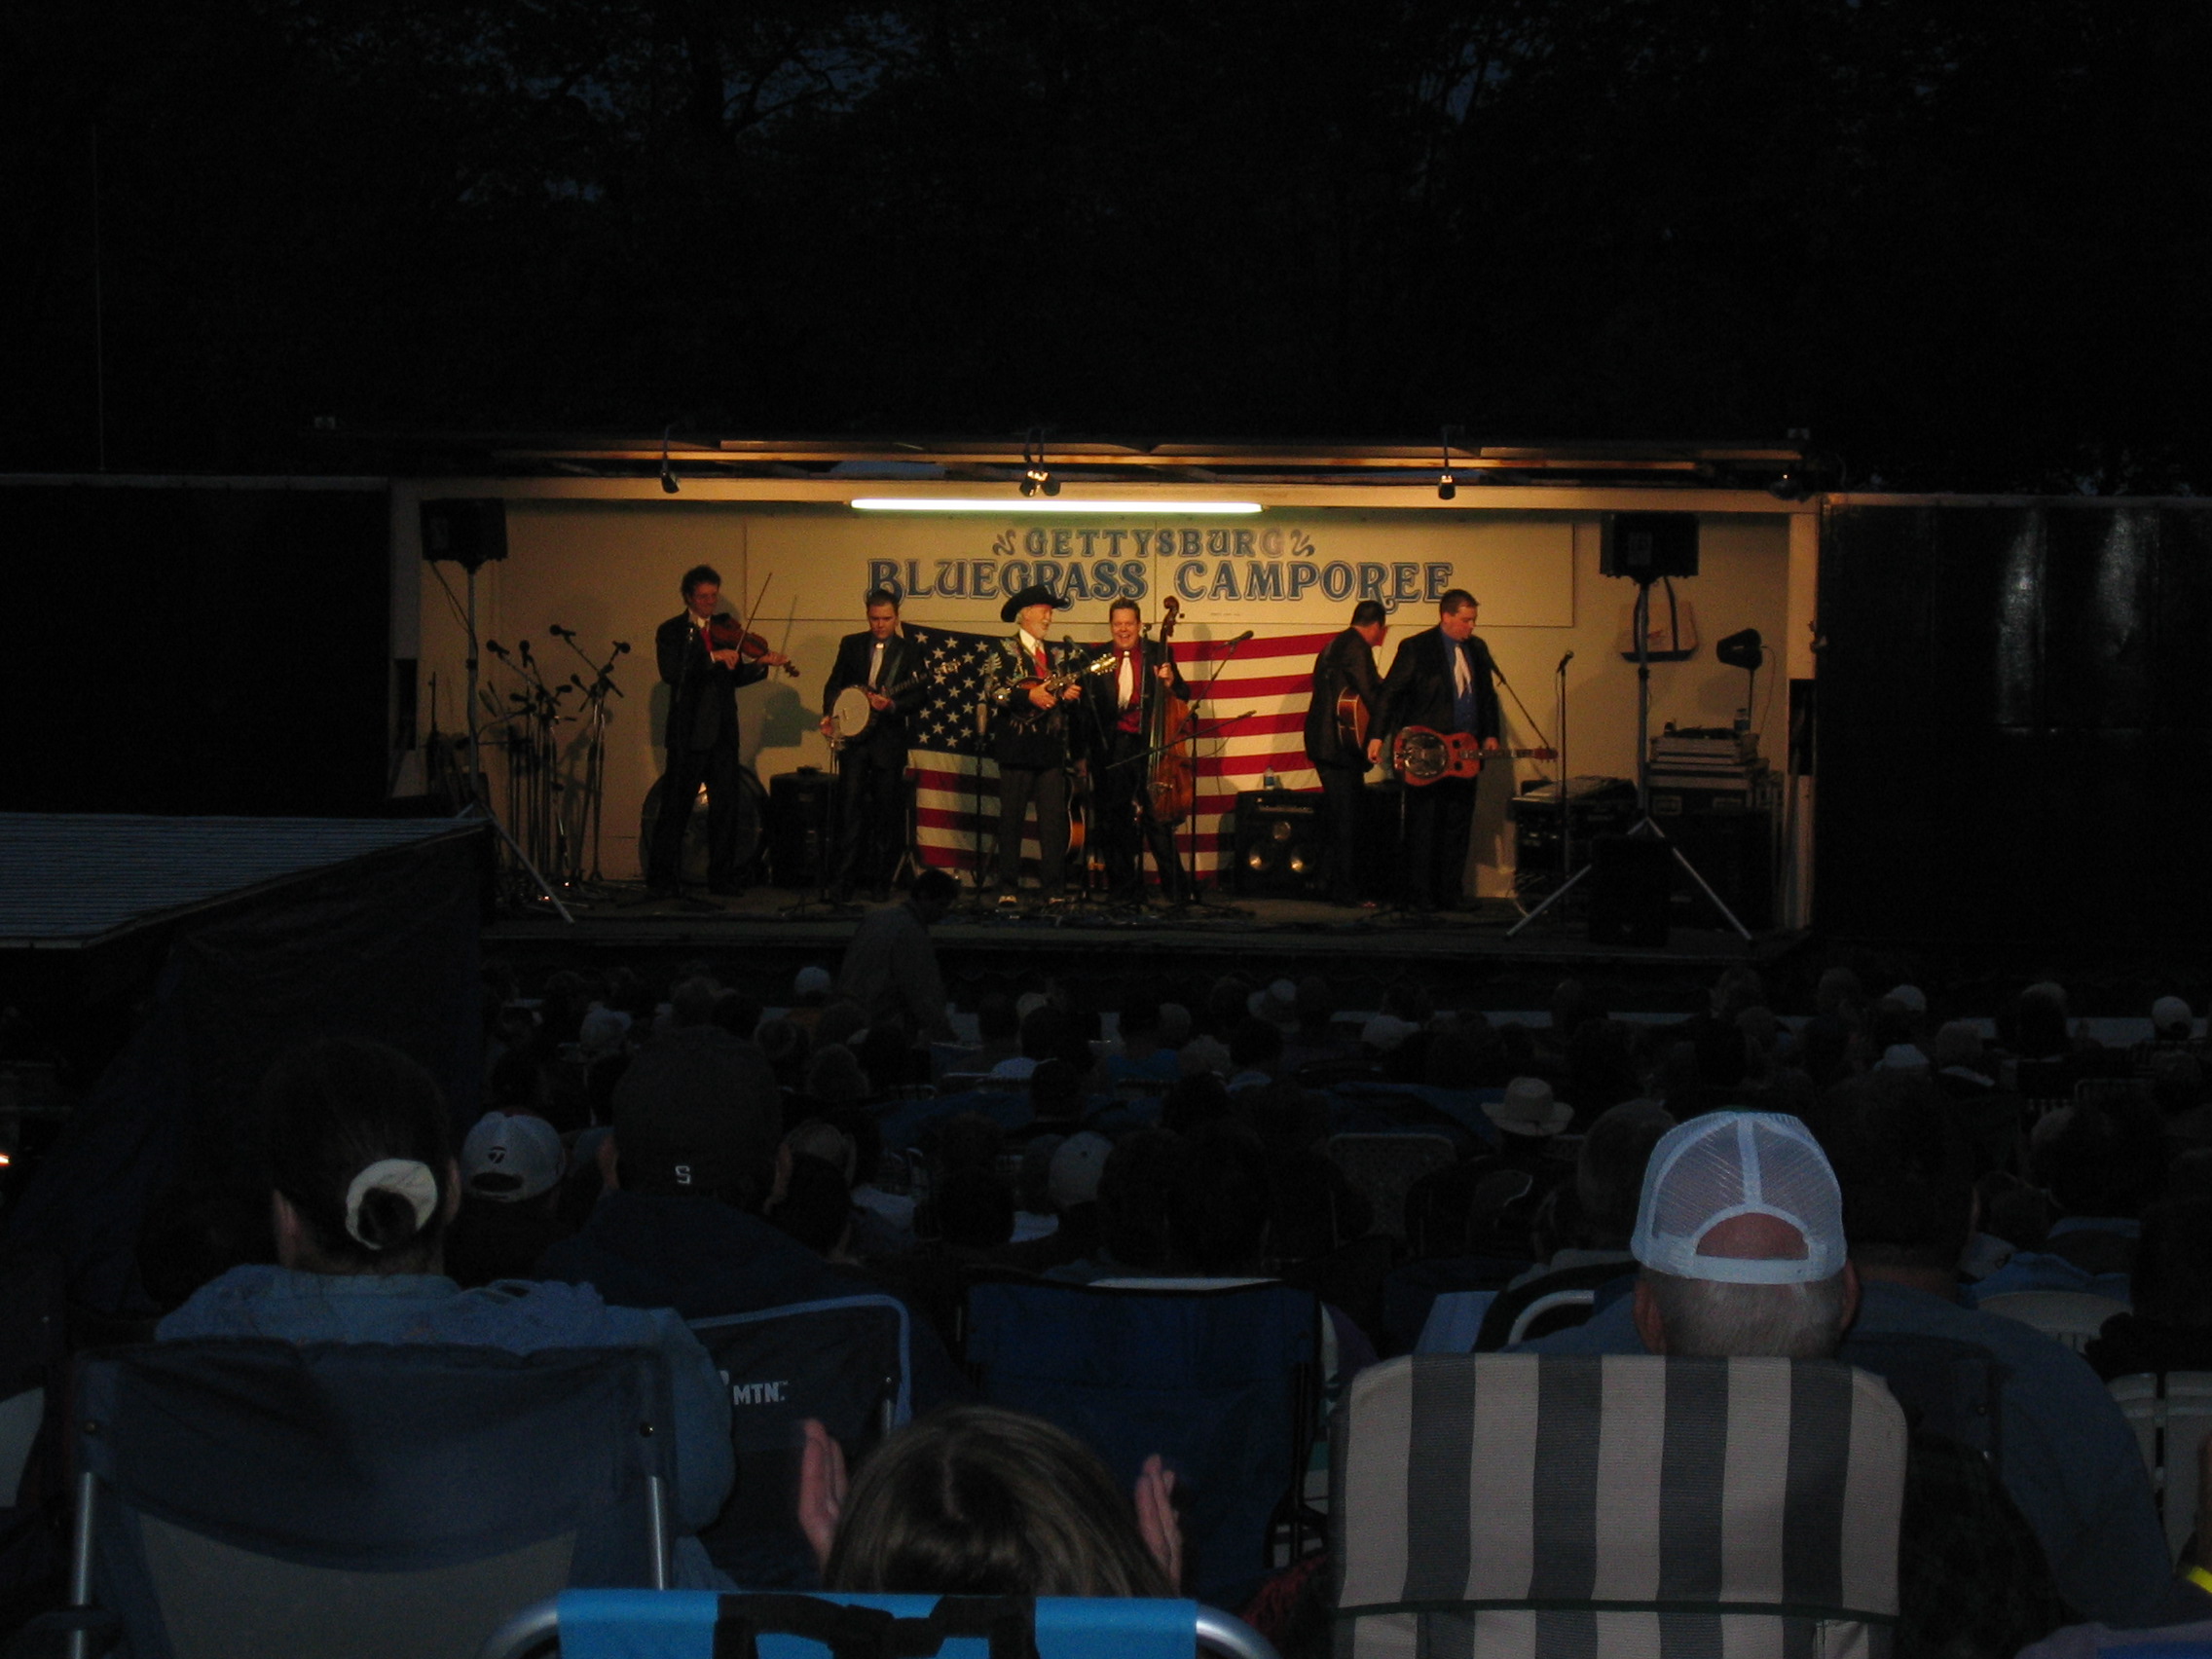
(1645,825)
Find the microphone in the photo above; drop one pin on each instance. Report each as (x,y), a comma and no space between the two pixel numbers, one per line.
(559,632)
(1242,639)
(621,647)
(526,651)
(497,649)
(1562,662)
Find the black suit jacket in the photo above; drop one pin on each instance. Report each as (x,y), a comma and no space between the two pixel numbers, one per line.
(1346,661)
(889,730)
(1419,689)
(704,704)
(1099,692)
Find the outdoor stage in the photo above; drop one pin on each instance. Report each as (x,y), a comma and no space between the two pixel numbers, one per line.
(770,932)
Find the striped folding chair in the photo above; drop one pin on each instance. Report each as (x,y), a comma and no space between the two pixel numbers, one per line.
(1502,1507)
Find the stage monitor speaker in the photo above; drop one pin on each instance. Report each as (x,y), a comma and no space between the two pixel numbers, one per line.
(1631,878)
(798,827)
(1281,846)
(1649,546)
(465,531)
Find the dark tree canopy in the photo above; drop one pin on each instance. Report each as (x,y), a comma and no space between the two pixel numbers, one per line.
(1964,245)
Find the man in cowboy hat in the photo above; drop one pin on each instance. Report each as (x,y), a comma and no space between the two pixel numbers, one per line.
(1029,739)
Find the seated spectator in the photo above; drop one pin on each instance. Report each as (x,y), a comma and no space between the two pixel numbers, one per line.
(815,1206)
(1965,1077)
(975,1500)
(1219,1205)
(1134,1193)
(1200,1098)
(974,1212)
(2070,1461)
(2101,1162)
(2171,1325)
(695,1060)
(834,1079)
(511,1165)
(679,1224)
(1055,1099)
(840,1022)
(811,986)
(1072,1175)
(1317,1208)
(1255,1054)
(1315,1038)
(1044,1037)
(890,967)
(999,1029)
(1608,1180)
(1740,1237)
(1143,1060)
(736,1012)
(363,1189)
(1034,1216)
(787,1049)
(1276,1003)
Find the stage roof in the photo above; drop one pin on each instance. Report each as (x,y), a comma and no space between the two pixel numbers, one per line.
(73,880)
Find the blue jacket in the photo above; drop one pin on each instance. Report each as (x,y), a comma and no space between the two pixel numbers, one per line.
(703,1258)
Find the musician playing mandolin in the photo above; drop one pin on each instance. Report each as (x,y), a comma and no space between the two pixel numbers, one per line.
(1440,679)
(1032,680)
(1348,703)
(886,667)
(1132,672)
(702,735)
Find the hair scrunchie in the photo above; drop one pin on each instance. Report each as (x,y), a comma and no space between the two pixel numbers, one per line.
(408,1177)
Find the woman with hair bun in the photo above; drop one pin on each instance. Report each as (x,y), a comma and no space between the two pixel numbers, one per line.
(363,1183)
(979,1500)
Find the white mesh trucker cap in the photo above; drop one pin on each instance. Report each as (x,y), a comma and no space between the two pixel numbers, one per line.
(1725,1165)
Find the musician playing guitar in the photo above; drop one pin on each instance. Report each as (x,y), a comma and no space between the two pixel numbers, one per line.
(1440,679)
(1032,680)
(887,667)
(1347,702)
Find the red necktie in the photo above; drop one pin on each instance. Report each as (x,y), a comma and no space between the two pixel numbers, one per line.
(1044,668)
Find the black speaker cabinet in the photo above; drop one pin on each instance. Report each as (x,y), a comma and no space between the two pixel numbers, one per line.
(1281,845)
(467,532)
(798,827)
(1631,878)
(1648,546)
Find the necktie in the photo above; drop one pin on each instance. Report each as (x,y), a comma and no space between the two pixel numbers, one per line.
(1125,678)
(1044,667)
(1459,680)
(875,664)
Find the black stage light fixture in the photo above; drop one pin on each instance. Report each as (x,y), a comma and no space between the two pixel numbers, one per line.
(1036,476)
(1446,487)
(666,478)
(1745,650)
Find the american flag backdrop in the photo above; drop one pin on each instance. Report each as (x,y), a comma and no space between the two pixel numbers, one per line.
(1252,720)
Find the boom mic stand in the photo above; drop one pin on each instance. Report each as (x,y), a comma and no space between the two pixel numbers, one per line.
(1645,826)
(595,695)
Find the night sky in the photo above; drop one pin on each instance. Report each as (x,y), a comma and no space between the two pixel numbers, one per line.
(1965,245)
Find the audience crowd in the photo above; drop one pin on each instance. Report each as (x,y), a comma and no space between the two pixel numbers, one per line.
(655,1153)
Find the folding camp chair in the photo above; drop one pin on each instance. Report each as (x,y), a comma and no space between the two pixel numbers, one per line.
(1955,1390)
(2172,1415)
(1514,1504)
(1222,1382)
(254,1500)
(1384,1168)
(845,1362)
(2074,1317)
(691,1624)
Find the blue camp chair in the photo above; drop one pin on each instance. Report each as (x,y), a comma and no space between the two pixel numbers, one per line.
(695,1624)
(1222,1382)
(844,1362)
(261,1500)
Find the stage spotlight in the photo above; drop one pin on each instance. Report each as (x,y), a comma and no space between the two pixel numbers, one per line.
(666,478)
(1036,477)
(1446,489)
(1446,486)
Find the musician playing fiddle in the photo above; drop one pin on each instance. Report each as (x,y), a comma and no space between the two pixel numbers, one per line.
(1029,738)
(1347,704)
(1118,702)
(702,734)
(887,668)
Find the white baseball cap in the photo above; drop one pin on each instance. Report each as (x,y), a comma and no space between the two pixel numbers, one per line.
(1725,1165)
(511,1156)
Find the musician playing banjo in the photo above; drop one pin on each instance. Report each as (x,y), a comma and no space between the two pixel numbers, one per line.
(1348,703)
(1440,679)
(1032,679)
(876,683)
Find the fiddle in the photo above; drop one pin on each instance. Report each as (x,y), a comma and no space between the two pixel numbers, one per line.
(725,633)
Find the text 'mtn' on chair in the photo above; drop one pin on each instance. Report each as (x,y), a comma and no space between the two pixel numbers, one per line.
(1496,1505)
(255,1500)
(844,1362)
(685,1624)
(1222,1383)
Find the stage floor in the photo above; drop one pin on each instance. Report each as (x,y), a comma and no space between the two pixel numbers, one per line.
(773,930)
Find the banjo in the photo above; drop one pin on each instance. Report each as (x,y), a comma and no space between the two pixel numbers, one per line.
(850,714)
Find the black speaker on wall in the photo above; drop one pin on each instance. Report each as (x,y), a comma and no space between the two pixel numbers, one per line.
(465,531)
(1649,546)
(1282,844)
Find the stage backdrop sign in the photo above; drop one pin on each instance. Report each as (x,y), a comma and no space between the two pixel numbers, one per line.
(959,568)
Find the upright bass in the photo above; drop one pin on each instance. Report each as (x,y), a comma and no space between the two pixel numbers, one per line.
(1171,736)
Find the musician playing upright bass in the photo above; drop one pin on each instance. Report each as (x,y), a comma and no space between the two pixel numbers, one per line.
(1132,673)
(1029,738)
(872,768)
(1348,703)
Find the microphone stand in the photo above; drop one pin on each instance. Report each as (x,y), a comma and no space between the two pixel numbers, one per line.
(1197,899)
(595,695)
